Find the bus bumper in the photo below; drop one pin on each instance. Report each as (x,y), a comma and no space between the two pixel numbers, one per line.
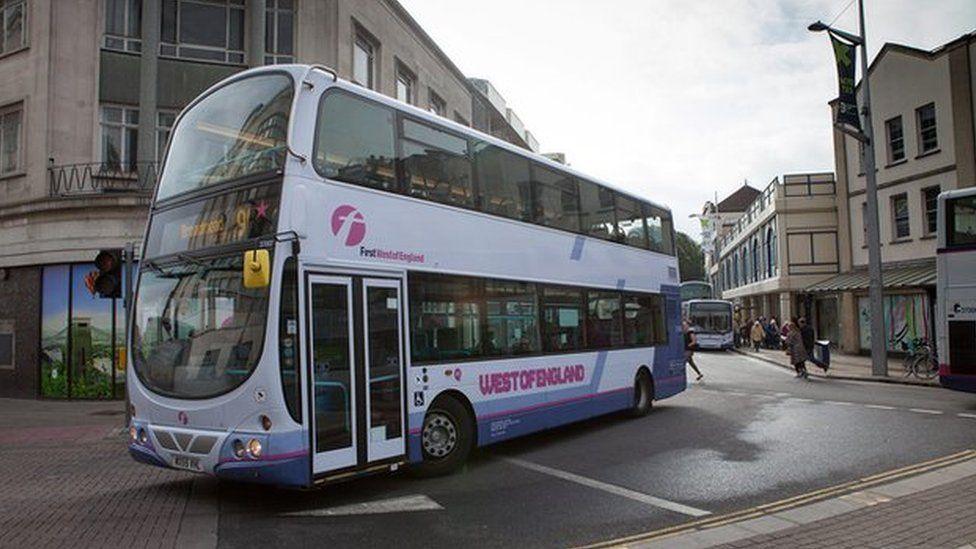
(283,461)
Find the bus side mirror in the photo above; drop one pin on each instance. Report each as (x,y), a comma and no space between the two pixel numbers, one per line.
(257,269)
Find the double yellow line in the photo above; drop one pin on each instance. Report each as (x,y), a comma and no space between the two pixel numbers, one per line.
(790,503)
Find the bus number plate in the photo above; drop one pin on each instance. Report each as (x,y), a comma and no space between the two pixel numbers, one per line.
(187,462)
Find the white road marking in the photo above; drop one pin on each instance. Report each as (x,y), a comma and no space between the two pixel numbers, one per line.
(963,414)
(393,505)
(879,407)
(925,411)
(839,403)
(783,394)
(610,488)
(782,370)
(798,399)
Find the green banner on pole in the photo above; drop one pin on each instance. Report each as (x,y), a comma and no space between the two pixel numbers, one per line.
(845,54)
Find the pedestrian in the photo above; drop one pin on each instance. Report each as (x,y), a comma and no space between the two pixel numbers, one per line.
(808,337)
(772,341)
(796,350)
(757,335)
(691,343)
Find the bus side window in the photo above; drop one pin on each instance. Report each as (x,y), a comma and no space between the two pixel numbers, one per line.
(503,182)
(596,210)
(355,142)
(436,165)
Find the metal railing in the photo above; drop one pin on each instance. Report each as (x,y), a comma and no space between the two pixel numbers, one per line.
(137,178)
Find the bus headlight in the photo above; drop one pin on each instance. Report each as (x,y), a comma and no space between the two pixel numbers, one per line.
(239,449)
(133,433)
(254,448)
(143,437)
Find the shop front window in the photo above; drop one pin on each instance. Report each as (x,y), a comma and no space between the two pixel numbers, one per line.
(82,337)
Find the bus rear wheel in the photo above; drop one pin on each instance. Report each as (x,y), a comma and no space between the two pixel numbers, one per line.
(643,395)
(446,438)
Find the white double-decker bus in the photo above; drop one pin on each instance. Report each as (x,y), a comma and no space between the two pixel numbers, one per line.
(335,283)
(955,309)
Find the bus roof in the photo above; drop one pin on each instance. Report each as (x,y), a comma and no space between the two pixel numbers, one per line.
(299,71)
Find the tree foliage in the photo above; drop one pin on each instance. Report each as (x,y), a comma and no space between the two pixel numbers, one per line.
(691,261)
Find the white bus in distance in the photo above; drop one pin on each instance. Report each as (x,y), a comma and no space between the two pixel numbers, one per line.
(711,319)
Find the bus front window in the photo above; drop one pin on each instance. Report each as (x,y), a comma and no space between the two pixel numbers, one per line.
(238,130)
(198,331)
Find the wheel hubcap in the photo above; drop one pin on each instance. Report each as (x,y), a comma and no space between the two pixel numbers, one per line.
(439,435)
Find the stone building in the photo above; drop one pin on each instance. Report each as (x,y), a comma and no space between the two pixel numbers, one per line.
(922,107)
(785,240)
(89,90)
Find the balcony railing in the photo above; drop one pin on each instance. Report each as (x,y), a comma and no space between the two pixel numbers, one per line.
(101,178)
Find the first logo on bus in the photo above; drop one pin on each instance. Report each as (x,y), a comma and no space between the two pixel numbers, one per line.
(349,216)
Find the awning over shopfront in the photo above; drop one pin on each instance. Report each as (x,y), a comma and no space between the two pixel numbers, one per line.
(894,277)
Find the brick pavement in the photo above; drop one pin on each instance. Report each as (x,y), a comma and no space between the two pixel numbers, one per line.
(67,480)
(939,517)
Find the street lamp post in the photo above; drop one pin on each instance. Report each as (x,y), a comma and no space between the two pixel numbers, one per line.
(879,359)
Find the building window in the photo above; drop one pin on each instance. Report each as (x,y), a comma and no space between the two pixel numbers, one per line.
(930,197)
(11,131)
(279,32)
(13,25)
(928,139)
(896,140)
(120,137)
(405,85)
(899,212)
(123,25)
(363,62)
(211,30)
(435,104)
(164,125)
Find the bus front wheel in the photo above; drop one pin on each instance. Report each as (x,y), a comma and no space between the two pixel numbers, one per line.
(446,438)
(643,395)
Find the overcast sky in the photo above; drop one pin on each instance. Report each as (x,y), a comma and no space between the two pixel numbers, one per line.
(675,100)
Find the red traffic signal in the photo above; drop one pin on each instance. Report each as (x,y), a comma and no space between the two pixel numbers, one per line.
(107,281)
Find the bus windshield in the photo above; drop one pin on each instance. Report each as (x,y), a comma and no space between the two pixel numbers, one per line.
(238,130)
(198,332)
(710,317)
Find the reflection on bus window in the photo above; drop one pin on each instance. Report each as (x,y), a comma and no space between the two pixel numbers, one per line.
(356,144)
(512,319)
(238,130)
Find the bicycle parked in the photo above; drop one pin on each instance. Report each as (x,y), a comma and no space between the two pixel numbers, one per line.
(920,359)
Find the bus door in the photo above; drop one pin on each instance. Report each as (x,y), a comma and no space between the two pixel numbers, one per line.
(355,348)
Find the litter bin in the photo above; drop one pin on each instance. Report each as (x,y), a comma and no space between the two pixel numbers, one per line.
(821,353)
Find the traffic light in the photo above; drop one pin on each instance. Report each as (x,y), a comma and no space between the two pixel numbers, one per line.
(107,280)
